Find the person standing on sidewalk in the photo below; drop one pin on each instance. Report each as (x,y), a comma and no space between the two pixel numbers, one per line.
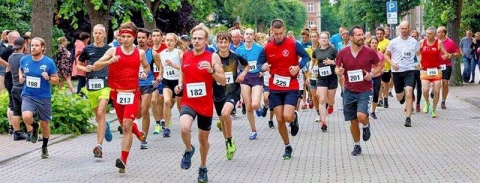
(200,69)
(466,51)
(39,73)
(123,67)
(475,55)
(280,58)
(446,62)
(355,62)
(97,89)
(402,51)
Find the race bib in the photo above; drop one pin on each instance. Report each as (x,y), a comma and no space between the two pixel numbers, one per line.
(281,81)
(33,82)
(314,71)
(95,84)
(325,71)
(124,98)
(155,68)
(229,77)
(195,90)
(140,71)
(253,65)
(406,54)
(355,76)
(443,67)
(170,72)
(432,71)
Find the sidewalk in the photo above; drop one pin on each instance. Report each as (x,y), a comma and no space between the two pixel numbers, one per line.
(433,150)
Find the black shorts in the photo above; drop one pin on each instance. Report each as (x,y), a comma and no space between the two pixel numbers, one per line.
(402,80)
(147,89)
(447,73)
(171,84)
(8,86)
(331,82)
(231,98)
(301,94)
(386,76)
(16,100)
(203,122)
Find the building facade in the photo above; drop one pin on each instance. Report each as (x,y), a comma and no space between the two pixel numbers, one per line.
(313,13)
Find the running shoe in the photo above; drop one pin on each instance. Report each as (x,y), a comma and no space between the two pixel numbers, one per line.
(202,175)
(270,124)
(294,125)
(304,106)
(97,151)
(108,133)
(234,112)
(418,108)
(373,115)
(120,165)
(264,111)
(259,112)
(385,103)
(317,120)
(219,125)
(29,137)
(162,124)
(19,136)
(10,130)
(426,108)
(324,127)
(288,153)
(390,94)
(120,130)
(330,109)
(432,95)
(44,152)
(443,106)
(408,122)
(166,133)
(231,148)
(34,132)
(158,129)
(366,133)
(253,136)
(357,150)
(187,159)
(112,111)
(433,114)
(144,145)
(380,103)
(244,109)
(310,104)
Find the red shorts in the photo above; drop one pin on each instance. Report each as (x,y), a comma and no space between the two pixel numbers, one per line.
(128,111)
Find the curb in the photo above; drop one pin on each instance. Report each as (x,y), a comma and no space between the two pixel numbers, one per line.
(52,142)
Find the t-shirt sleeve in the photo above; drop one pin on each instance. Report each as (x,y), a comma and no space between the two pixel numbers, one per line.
(339,60)
(375,57)
(390,46)
(314,55)
(417,46)
(242,60)
(83,56)
(52,69)
(22,60)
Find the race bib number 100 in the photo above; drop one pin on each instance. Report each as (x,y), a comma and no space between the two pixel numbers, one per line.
(355,76)
(195,90)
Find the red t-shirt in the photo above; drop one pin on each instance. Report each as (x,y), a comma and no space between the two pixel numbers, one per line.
(123,74)
(430,58)
(197,83)
(354,68)
(281,57)
(160,49)
(451,47)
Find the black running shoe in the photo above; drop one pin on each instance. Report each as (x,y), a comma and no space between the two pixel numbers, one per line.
(244,109)
(403,99)
(373,115)
(120,130)
(366,133)
(44,152)
(294,125)
(202,175)
(288,153)
(357,150)
(19,136)
(264,111)
(120,165)
(408,122)
(34,132)
(271,125)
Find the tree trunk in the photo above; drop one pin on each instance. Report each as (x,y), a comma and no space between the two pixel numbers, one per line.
(152,6)
(98,16)
(42,22)
(453,30)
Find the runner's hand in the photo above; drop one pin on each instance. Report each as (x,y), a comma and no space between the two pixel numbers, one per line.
(294,70)
(340,71)
(266,67)
(367,76)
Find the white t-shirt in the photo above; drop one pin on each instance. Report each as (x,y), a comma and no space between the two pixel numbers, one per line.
(403,53)
(266,78)
(169,72)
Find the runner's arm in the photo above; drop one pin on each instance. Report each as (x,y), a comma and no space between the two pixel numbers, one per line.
(302,53)
(218,73)
(262,59)
(143,61)
(106,60)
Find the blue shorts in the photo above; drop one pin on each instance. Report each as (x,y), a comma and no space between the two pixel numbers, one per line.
(277,98)
(43,107)
(160,88)
(265,89)
(354,102)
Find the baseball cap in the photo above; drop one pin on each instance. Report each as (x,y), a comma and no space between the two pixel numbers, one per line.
(186,37)
(18,43)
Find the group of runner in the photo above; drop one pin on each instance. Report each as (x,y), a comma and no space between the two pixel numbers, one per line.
(279,69)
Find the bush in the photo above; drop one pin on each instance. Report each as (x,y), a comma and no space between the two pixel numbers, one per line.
(70,113)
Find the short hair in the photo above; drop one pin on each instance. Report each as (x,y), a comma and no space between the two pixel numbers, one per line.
(224,36)
(277,23)
(157,30)
(100,26)
(202,28)
(128,25)
(143,30)
(42,41)
(443,28)
(305,33)
(61,40)
(415,31)
(380,29)
(236,23)
(432,29)
(324,32)
(235,32)
(350,32)
(83,36)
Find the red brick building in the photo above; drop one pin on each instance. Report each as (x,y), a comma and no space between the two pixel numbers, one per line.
(313,13)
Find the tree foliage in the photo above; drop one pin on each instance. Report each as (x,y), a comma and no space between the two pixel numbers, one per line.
(441,12)
(15,15)
(330,17)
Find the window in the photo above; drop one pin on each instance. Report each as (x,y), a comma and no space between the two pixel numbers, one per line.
(310,7)
(310,23)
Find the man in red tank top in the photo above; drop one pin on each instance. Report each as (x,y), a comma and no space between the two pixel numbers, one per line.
(199,70)
(280,59)
(123,73)
(431,72)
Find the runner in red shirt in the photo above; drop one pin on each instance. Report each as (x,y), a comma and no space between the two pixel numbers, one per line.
(123,73)
(446,63)
(355,62)
(199,70)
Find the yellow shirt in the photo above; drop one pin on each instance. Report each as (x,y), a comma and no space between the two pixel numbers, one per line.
(382,46)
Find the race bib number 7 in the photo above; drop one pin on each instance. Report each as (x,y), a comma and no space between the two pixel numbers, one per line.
(124,98)
(229,77)
(195,90)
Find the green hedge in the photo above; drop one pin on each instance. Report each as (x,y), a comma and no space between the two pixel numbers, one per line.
(70,113)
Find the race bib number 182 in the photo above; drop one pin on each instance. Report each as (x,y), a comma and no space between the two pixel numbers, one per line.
(195,90)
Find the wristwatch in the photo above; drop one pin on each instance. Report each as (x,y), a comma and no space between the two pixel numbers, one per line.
(213,71)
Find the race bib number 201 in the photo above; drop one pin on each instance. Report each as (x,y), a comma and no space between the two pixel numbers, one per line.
(355,76)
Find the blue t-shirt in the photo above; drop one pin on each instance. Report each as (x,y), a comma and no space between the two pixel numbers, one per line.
(149,80)
(335,39)
(35,85)
(234,49)
(251,56)
(306,45)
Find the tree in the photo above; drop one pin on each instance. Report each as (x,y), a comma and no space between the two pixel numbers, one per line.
(42,22)
(15,15)
(330,20)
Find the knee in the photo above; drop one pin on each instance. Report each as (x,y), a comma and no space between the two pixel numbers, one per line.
(184,128)
(168,103)
(127,126)
(362,116)
(203,139)
(289,117)
(255,106)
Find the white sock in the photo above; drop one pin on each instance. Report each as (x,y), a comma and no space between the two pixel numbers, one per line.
(365,126)
(357,143)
